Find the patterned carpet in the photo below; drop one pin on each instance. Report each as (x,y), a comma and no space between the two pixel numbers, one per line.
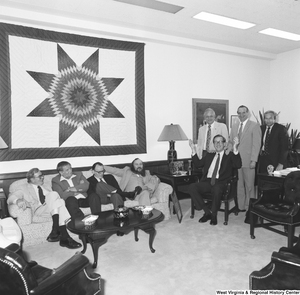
(190,258)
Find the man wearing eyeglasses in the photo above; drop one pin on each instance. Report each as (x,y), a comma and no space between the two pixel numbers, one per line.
(217,169)
(44,203)
(106,187)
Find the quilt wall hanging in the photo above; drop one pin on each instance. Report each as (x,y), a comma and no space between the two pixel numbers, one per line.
(66,95)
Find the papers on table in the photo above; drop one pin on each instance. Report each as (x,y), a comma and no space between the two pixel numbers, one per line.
(286,171)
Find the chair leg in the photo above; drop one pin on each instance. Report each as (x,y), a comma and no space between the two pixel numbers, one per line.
(251,225)
(291,231)
(192,209)
(226,212)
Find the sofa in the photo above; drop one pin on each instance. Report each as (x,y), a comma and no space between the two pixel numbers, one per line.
(36,229)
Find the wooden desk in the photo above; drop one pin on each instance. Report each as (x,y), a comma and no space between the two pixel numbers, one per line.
(177,181)
(265,181)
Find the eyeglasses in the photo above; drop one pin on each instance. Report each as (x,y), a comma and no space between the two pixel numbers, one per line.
(40,176)
(100,171)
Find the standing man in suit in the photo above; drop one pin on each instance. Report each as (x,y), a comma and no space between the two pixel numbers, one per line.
(208,131)
(72,187)
(249,135)
(274,144)
(44,203)
(106,187)
(217,169)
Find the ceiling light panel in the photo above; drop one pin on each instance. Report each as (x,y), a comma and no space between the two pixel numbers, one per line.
(222,20)
(280,34)
(152,4)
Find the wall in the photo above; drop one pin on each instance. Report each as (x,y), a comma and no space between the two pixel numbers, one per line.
(174,74)
(285,87)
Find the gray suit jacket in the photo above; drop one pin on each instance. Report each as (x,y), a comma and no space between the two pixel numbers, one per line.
(250,142)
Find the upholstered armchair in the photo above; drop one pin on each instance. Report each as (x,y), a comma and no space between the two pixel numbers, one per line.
(278,208)
(18,276)
(282,273)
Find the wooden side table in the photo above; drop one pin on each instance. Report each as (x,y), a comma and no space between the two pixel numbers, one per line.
(3,205)
(176,181)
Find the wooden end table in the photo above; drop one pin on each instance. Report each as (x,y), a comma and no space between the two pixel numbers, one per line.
(177,181)
(106,225)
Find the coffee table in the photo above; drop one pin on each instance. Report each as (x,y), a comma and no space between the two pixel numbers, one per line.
(106,225)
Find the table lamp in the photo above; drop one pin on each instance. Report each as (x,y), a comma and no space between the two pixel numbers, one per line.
(172,133)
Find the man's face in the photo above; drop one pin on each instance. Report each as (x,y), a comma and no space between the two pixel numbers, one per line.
(242,114)
(209,117)
(99,171)
(37,179)
(66,172)
(269,119)
(138,166)
(219,144)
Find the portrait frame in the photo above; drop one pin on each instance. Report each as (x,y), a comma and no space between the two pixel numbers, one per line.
(220,106)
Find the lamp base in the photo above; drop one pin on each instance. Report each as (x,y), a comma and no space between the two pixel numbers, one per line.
(172,154)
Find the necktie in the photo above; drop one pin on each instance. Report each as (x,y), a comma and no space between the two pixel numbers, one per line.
(240,132)
(208,137)
(213,177)
(267,139)
(41,195)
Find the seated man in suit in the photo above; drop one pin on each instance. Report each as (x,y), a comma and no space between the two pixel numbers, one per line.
(72,187)
(106,187)
(44,203)
(217,169)
(136,178)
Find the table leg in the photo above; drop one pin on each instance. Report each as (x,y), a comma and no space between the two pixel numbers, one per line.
(83,239)
(136,230)
(151,231)
(95,247)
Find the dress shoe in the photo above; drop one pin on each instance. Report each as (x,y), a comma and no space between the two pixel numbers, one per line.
(205,218)
(69,243)
(53,237)
(214,220)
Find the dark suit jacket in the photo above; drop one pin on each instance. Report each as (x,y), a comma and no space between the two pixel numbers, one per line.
(110,179)
(79,181)
(277,147)
(229,162)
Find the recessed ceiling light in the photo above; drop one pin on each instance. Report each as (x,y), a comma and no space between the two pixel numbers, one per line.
(153,4)
(222,20)
(280,34)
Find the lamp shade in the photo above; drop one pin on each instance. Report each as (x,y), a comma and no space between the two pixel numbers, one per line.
(3,145)
(172,133)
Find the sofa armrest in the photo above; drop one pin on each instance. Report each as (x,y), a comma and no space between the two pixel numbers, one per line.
(24,217)
(163,192)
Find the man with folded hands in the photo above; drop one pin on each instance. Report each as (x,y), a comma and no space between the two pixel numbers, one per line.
(72,187)
(217,169)
(106,187)
(44,203)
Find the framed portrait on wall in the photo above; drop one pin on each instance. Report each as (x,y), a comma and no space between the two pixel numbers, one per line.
(220,106)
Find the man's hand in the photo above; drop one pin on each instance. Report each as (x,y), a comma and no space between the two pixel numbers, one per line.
(131,195)
(72,189)
(138,190)
(192,146)
(252,165)
(21,204)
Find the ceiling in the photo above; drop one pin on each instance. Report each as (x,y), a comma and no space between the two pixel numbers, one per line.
(277,14)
